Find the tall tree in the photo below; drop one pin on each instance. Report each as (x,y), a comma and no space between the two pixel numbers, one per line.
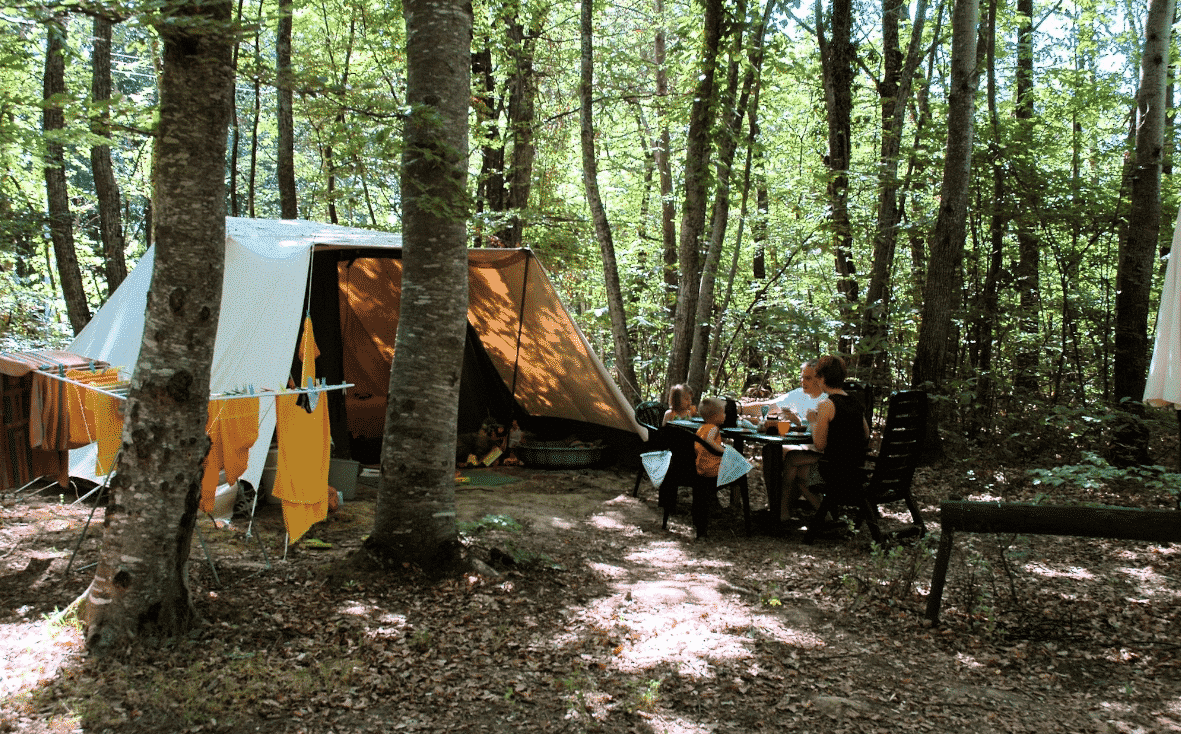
(415,515)
(894,91)
(698,152)
(1027,272)
(985,313)
(732,110)
(140,585)
(662,151)
(590,180)
(1138,248)
(522,85)
(61,222)
(106,189)
(285,168)
(837,55)
(941,293)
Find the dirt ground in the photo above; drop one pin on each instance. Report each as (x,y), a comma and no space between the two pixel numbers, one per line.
(591,617)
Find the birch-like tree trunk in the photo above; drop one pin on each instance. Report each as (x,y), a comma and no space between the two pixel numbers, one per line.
(625,372)
(415,516)
(140,586)
(61,222)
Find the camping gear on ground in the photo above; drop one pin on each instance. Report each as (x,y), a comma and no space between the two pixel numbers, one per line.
(559,454)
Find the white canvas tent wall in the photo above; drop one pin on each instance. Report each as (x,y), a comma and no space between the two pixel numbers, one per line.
(1163,387)
(534,344)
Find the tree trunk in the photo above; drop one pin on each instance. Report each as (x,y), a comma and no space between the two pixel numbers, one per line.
(697,160)
(285,165)
(106,189)
(733,109)
(235,128)
(522,84)
(836,63)
(663,154)
(1025,363)
(61,222)
(590,171)
(491,195)
(250,187)
(979,416)
(1138,250)
(894,95)
(941,294)
(140,586)
(415,515)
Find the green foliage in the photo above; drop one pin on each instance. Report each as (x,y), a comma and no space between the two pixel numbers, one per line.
(1094,473)
(889,574)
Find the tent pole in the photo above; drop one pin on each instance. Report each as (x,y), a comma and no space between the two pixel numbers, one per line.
(520,326)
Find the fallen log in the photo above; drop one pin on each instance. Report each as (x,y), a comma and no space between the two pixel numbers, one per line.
(1083,521)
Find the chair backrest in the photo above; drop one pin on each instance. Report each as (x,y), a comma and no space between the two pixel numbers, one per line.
(731,420)
(902,442)
(650,413)
(861,392)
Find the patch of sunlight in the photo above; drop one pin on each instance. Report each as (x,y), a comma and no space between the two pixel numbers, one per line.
(667,724)
(968,661)
(560,523)
(1071,572)
(32,653)
(614,521)
(1115,707)
(664,554)
(1174,706)
(372,613)
(606,570)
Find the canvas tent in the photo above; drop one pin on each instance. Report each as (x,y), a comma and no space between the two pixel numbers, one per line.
(1163,387)
(525,353)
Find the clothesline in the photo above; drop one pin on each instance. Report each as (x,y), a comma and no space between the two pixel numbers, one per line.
(119,390)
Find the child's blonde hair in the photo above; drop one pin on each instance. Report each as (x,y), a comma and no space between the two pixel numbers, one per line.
(680,398)
(711,407)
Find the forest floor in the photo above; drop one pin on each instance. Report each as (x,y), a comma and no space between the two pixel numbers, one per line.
(598,620)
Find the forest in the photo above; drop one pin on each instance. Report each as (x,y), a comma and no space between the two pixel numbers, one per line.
(783,163)
(968,198)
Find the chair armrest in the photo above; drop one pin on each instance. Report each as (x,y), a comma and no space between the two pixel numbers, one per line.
(707,445)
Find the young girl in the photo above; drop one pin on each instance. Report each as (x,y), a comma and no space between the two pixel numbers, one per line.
(680,404)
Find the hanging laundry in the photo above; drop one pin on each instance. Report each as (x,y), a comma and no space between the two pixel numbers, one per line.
(301,478)
(232,427)
(108,428)
(82,427)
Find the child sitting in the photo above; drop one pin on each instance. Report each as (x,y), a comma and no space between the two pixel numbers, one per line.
(709,461)
(680,404)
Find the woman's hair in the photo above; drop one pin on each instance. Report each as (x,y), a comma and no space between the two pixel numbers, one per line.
(710,407)
(680,397)
(831,369)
